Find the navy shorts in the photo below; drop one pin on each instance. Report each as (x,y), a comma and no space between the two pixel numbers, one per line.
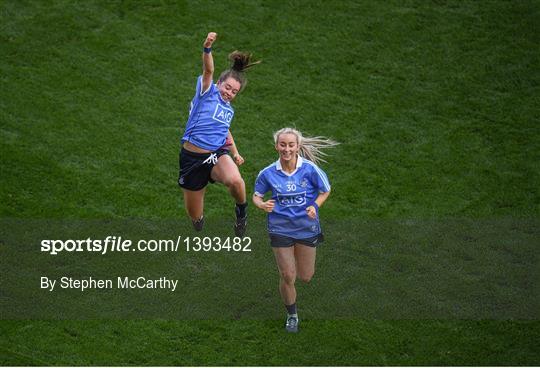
(195,168)
(282,241)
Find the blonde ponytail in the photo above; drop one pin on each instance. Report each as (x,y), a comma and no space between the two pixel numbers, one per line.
(310,148)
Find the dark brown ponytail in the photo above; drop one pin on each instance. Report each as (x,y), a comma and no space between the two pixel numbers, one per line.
(240,62)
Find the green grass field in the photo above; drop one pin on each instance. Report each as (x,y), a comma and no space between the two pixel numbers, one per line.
(435,104)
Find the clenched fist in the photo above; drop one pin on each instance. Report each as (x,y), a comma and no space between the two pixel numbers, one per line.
(210,39)
(268,206)
(311,212)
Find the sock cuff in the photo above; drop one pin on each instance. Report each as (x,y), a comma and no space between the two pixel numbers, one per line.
(291,309)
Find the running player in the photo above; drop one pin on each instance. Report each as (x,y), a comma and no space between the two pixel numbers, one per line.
(299,188)
(204,155)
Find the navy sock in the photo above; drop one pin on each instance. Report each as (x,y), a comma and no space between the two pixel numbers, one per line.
(240,210)
(291,309)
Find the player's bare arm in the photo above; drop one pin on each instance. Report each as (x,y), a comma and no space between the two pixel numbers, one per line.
(208,61)
(266,206)
(238,159)
(311,210)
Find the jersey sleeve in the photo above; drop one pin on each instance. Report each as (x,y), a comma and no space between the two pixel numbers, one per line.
(261,184)
(320,180)
(198,89)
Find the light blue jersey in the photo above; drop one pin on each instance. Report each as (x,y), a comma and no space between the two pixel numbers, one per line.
(292,193)
(209,118)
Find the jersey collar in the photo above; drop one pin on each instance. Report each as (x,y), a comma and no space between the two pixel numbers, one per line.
(299,162)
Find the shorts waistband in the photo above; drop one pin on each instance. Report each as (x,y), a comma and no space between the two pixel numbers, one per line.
(195,154)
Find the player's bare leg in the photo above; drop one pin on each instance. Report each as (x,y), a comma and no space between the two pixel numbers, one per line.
(305,261)
(227,173)
(194,203)
(286,263)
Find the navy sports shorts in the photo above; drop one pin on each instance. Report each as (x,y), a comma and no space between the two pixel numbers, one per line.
(282,241)
(195,168)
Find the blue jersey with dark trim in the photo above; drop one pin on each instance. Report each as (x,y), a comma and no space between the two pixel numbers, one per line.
(292,194)
(209,118)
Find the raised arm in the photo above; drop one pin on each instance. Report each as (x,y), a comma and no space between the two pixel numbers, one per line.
(208,61)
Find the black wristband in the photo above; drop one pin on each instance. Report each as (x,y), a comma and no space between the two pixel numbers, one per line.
(207,50)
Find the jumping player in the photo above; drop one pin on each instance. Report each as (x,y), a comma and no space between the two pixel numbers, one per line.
(299,188)
(207,139)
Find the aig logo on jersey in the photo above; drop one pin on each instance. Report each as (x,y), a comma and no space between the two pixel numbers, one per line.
(292,199)
(223,114)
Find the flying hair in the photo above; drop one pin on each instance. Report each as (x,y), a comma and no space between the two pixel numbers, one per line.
(240,62)
(308,147)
